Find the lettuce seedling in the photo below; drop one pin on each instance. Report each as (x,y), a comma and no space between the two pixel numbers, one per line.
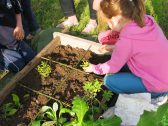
(92,88)
(44,69)
(50,113)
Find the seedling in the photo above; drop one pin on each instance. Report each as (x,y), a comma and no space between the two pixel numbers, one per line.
(44,69)
(50,113)
(11,108)
(84,64)
(92,88)
(107,95)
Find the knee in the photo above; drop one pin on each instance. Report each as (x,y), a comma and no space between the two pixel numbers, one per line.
(109,81)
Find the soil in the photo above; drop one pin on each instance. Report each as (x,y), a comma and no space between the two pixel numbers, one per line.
(30,105)
(63,83)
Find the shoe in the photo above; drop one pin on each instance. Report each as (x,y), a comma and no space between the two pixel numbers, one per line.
(160,100)
(67,24)
(89,28)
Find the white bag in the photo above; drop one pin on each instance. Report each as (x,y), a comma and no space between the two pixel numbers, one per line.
(130,107)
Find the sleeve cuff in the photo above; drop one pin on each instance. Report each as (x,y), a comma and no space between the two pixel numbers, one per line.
(97,70)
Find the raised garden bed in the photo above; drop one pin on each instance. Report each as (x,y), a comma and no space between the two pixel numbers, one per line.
(65,81)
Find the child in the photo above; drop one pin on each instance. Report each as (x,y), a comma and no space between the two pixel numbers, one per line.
(141,47)
(14,53)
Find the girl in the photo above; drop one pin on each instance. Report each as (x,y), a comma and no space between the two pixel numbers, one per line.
(14,53)
(140,51)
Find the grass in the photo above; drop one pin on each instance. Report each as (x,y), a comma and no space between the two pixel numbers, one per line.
(49,14)
(158,9)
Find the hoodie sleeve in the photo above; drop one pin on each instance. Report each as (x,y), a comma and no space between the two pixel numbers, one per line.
(119,58)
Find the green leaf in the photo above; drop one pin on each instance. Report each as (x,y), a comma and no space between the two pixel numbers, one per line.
(44,69)
(92,88)
(49,123)
(26,96)
(164,120)
(9,109)
(36,123)
(45,108)
(65,110)
(112,121)
(11,112)
(107,95)
(153,118)
(16,100)
(62,120)
(51,115)
(80,107)
(7,106)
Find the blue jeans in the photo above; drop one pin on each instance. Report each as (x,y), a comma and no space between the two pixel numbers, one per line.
(128,83)
(15,59)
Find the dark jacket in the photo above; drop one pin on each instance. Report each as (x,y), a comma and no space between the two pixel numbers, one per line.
(8,11)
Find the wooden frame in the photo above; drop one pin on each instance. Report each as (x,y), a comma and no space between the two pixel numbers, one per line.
(59,39)
(11,85)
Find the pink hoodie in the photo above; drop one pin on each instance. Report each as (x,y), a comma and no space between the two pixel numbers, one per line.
(145,51)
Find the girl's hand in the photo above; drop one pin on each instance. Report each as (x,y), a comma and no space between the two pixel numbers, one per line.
(106,48)
(18,33)
(88,69)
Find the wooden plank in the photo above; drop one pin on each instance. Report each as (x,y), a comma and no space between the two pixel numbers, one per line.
(11,85)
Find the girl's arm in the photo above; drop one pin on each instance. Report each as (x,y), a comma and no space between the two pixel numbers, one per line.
(121,54)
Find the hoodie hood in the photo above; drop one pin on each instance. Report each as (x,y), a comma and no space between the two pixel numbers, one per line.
(148,33)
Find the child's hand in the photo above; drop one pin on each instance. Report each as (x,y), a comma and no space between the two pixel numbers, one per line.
(106,48)
(18,33)
(88,69)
